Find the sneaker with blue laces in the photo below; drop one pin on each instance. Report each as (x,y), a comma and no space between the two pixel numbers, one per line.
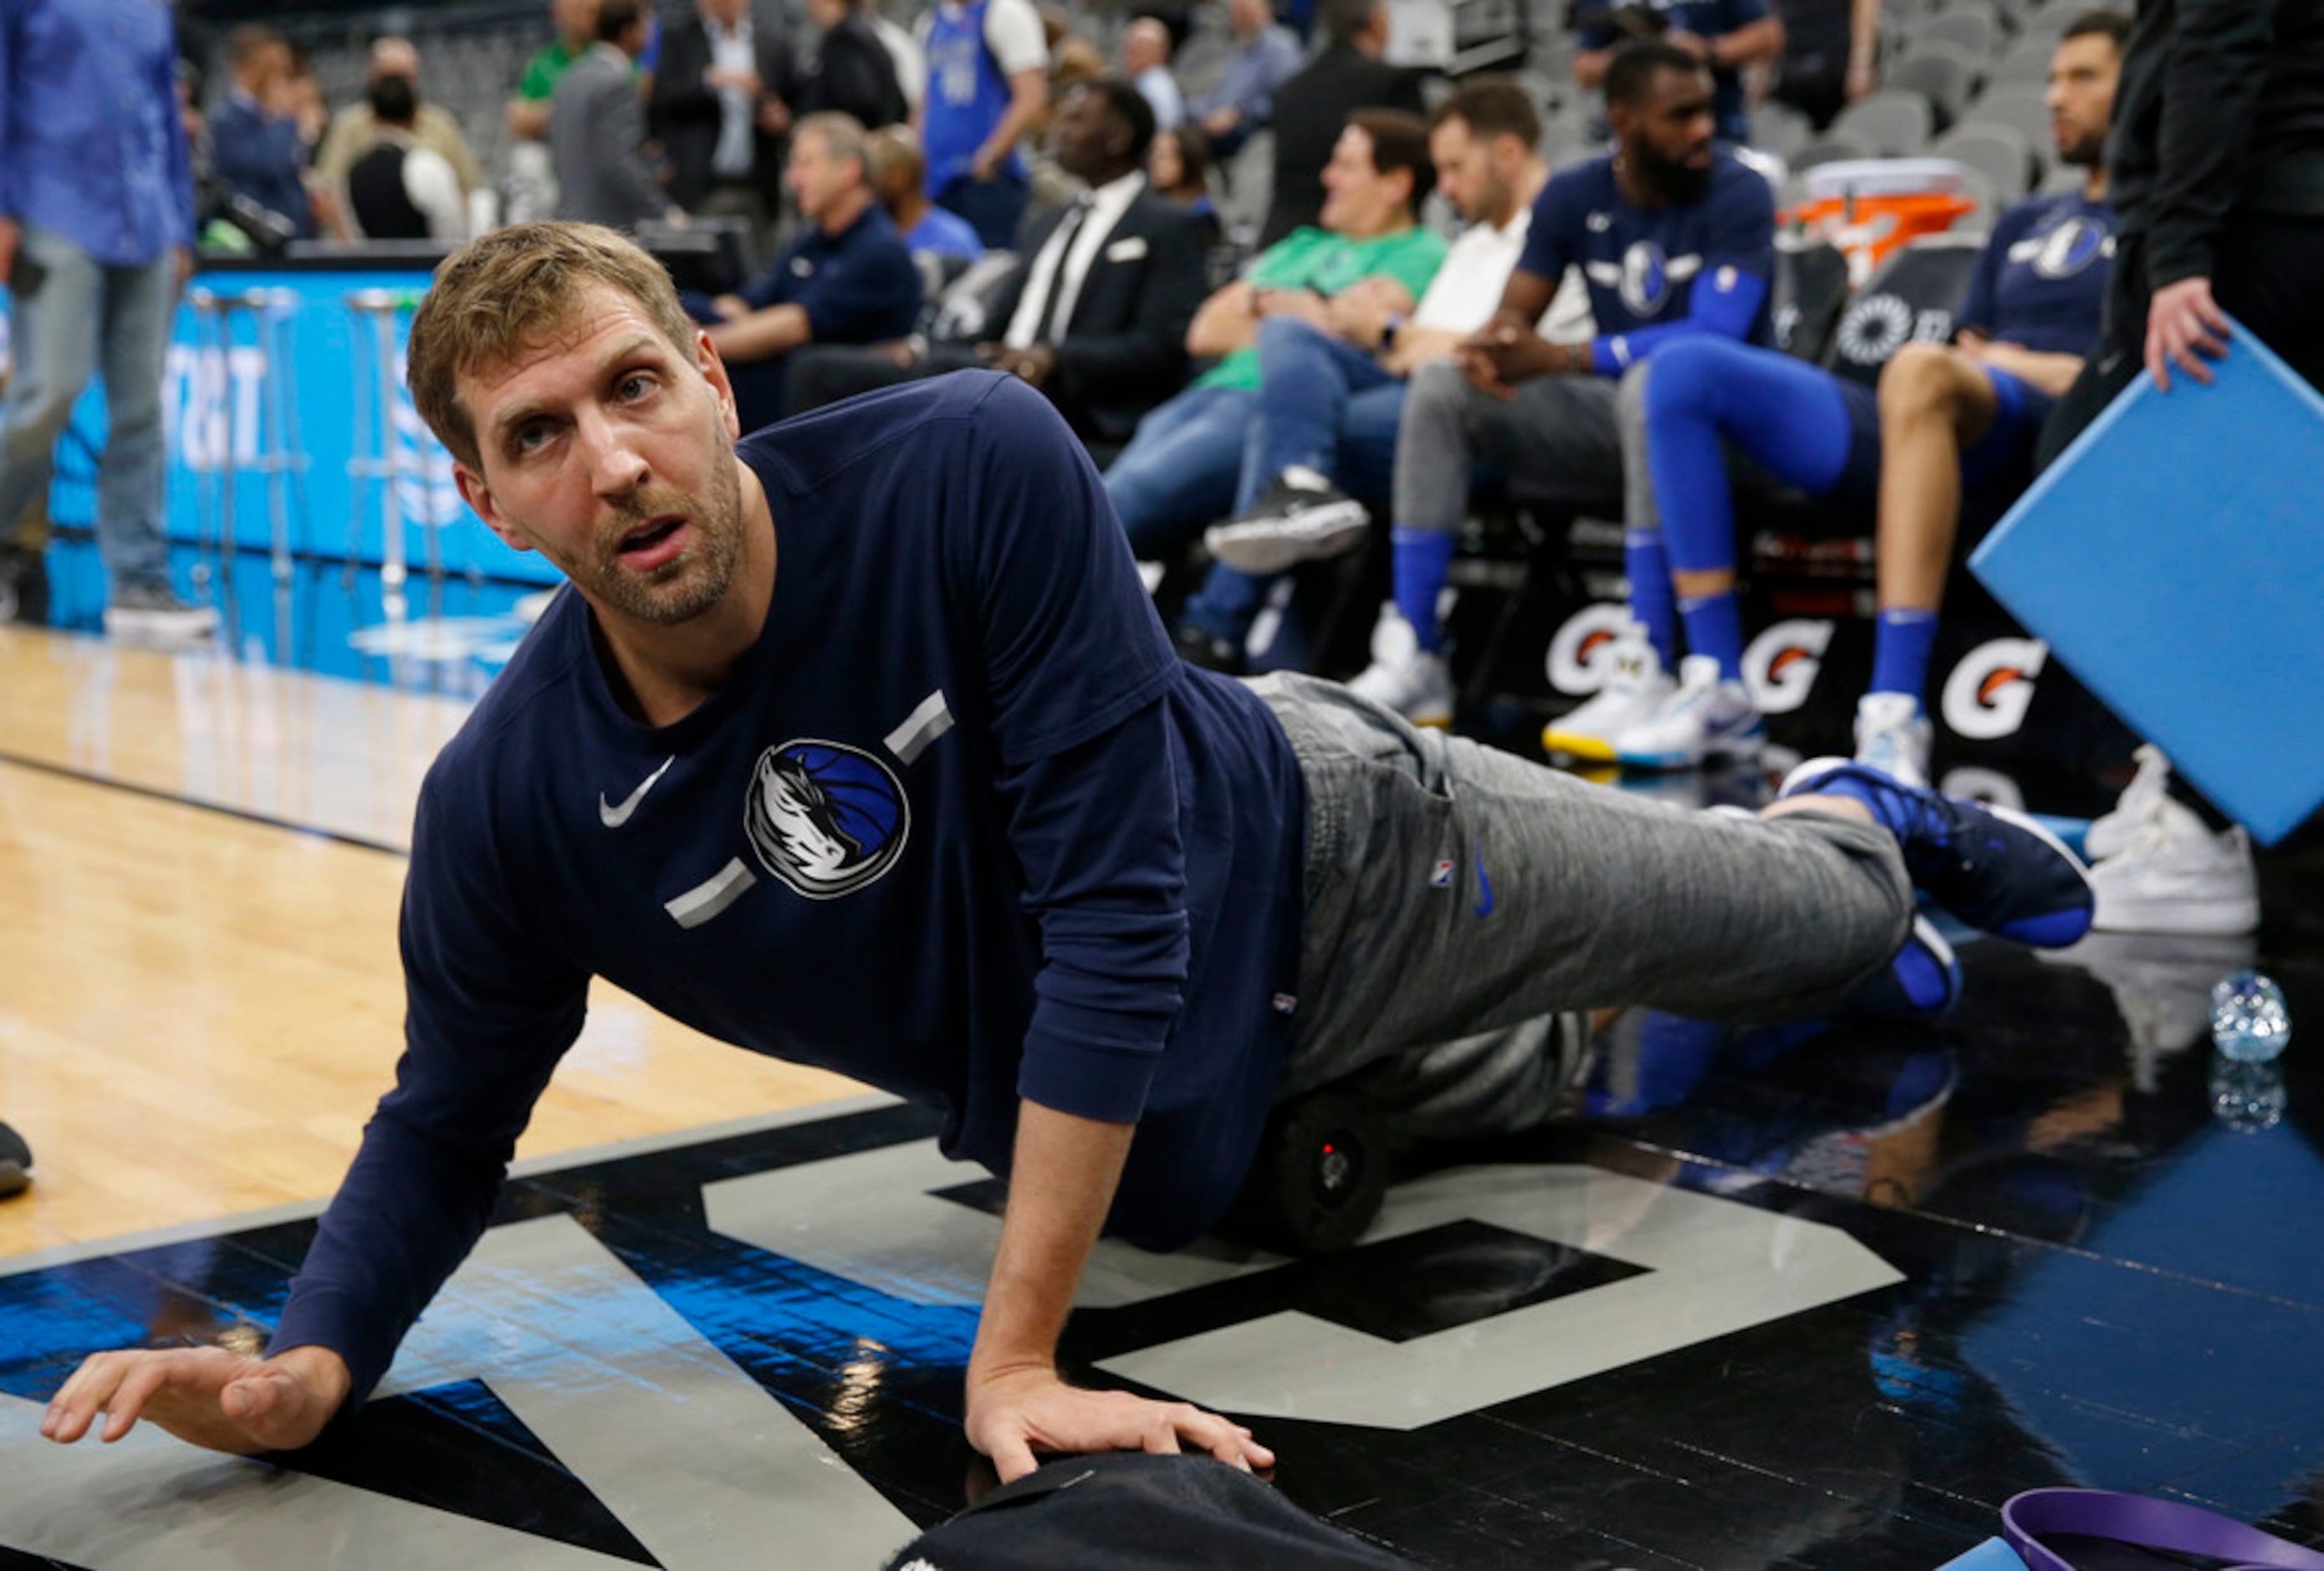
(1995,869)
(1922,978)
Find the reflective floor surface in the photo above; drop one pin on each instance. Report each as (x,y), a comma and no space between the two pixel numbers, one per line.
(1821,1295)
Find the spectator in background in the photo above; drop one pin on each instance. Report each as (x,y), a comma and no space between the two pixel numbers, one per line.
(1312,109)
(576,29)
(1725,35)
(597,129)
(988,86)
(1831,55)
(1146,61)
(1179,166)
(254,145)
(1095,309)
(898,173)
(354,129)
(851,72)
(1675,237)
(96,230)
(721,105)
(1331,392)
(1946,418)
(904,52)
(399,189)
(847,279)
(1266,56)
(1184,468)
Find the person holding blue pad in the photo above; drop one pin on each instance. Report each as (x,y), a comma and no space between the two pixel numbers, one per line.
(1946,417)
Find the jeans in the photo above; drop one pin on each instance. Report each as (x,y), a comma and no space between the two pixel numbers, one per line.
(1180,472)
(1556,895)
(994,208)
(1322,403)
(87,316)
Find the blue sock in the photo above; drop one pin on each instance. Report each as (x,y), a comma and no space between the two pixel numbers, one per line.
(1901,643)
(1714,626)
(1423,561)
(1878,803)
(1647,566)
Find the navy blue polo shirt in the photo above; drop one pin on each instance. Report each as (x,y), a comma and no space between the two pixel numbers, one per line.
(858,286)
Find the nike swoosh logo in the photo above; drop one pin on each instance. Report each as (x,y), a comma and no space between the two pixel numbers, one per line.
(1484,906)
(613,817)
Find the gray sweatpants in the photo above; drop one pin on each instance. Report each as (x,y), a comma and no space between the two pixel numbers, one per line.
(1580,433)
(1457,895)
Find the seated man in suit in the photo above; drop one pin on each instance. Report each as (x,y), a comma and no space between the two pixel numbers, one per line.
(1331,395)
(1095,311)
(846,279)
(1185,466)
(1945,418)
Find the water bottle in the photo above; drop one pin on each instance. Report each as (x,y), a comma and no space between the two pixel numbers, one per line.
(2249,1021)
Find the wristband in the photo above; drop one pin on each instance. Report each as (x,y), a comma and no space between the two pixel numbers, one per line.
(1387,333)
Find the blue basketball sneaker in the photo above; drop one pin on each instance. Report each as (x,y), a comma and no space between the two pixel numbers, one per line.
(1995,869)
(1922,978)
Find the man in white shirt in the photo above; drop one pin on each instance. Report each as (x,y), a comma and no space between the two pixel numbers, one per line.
(399,188)
(1146,61)
(1331,397)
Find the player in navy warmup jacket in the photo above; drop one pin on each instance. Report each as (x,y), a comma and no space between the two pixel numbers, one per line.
(859,744)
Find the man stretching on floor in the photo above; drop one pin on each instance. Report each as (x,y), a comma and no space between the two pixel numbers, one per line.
(911,785)
(1943,417)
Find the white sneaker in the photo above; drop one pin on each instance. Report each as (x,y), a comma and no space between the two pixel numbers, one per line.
(149,614)
(2158,868)
(1892,735)
(1706,717)
(2113,832)
(1636,688)
(1403,677)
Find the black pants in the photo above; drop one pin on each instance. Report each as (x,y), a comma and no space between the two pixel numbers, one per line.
(2265,273)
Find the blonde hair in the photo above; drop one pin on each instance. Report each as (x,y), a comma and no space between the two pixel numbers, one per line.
(513,291)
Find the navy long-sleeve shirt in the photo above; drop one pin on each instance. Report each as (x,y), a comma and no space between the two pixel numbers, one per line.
(960,826)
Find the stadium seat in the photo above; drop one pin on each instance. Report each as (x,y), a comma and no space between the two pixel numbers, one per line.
(1834,146)
(1945,74)
(2016,105)
(1975,30)
(1894,122)
(1999,152)
(1808,291)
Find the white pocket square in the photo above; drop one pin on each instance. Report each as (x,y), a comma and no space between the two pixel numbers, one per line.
(1129,250)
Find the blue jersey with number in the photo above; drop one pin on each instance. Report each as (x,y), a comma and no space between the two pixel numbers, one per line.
(967,95)
(2042,280)
(961,824)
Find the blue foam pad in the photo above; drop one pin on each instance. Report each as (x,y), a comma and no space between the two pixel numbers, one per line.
(1993,1554)
(2173,558)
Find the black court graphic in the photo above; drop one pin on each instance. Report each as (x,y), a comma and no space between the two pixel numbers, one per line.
(2081,1275)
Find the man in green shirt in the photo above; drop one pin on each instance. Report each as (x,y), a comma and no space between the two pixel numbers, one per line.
(1182,468)
(576,29)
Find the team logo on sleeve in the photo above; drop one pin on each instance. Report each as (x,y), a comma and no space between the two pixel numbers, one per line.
(824,817)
